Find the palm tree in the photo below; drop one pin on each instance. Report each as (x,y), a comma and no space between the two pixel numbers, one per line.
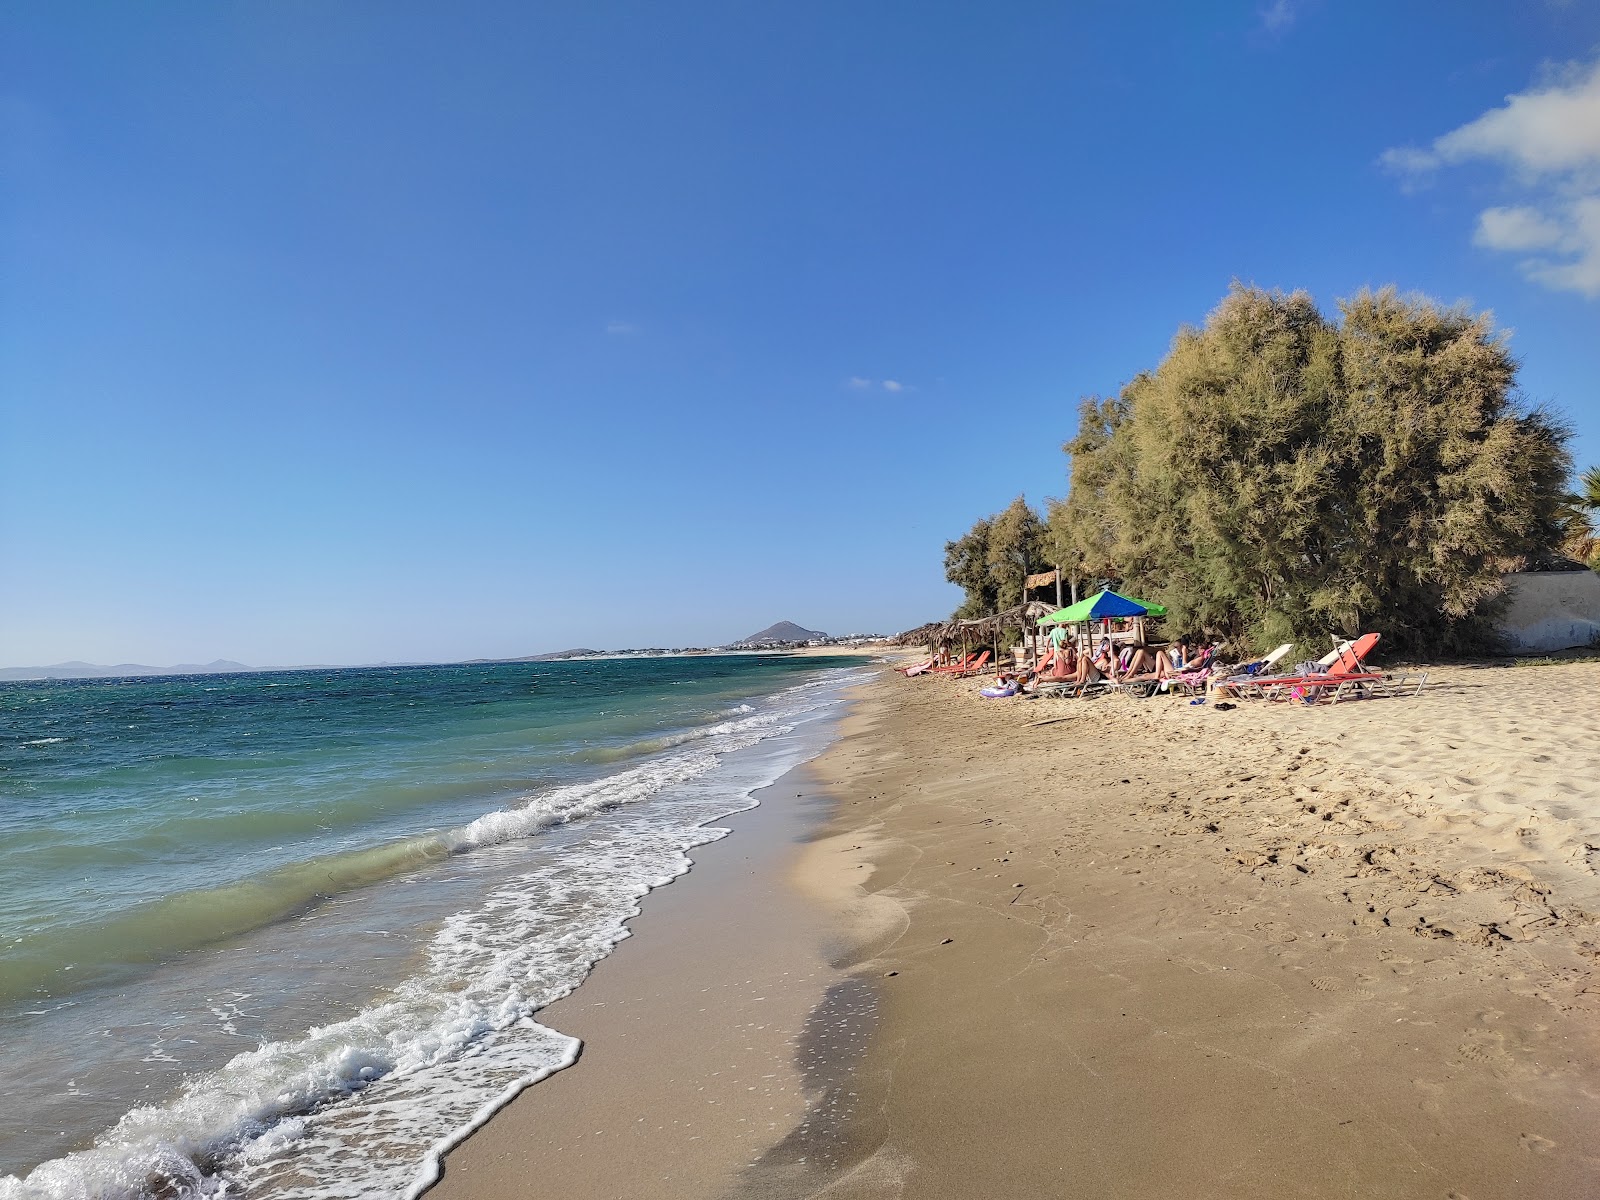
(1583,522)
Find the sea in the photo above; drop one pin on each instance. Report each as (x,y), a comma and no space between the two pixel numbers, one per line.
(288,934)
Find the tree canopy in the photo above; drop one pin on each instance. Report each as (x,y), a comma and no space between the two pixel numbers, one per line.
(1283,475)
(990,560)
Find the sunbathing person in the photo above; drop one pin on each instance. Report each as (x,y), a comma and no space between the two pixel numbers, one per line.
(1136,662)
(1093,670)
(1059,667)
(1160,668)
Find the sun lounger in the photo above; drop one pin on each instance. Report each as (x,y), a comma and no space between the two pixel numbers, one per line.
(1347,678)
(1250,672)
(974,668)
(953,668)
(1309,688)
(1277,655)
(1344,662)
(1362,687)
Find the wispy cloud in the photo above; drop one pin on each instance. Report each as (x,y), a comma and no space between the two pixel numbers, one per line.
(861,384)
(1278,16)
(1547,142)
(621,328)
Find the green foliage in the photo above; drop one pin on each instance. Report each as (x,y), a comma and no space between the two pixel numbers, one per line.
(991,559)
(1282,476)
(1580,520)
(966,564)
(1589,497)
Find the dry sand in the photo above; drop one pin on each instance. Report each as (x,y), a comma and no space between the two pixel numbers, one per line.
(1146,949)
(1114,948)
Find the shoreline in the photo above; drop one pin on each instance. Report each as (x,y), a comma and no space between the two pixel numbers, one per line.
(699,1031)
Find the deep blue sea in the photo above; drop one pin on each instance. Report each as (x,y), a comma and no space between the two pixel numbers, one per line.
(285,933)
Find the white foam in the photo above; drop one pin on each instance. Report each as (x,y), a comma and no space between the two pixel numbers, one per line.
(453,1043)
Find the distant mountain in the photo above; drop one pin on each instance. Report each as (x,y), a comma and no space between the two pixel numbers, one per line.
(783,631)
(83,670)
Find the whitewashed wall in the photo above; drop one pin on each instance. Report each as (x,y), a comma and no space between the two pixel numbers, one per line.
(1552,610)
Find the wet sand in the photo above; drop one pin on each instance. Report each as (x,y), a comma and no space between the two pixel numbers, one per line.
(695,1056)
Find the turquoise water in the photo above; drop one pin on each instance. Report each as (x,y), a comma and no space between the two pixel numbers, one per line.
(233,907)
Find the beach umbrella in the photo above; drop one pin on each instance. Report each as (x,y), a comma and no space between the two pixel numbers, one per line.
(1150,609)
(1103,604)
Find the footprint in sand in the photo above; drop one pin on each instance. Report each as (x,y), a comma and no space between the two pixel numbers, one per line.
(1485,1049)
(1325,983)
(1534,1144)
(1275,932)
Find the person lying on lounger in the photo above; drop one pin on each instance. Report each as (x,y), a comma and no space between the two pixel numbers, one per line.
(1149,665)
(1135,662)
(1093,670)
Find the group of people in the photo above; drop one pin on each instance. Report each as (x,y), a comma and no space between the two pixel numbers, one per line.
(1067,664)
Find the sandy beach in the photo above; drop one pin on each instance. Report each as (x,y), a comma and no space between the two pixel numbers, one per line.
(1122,948)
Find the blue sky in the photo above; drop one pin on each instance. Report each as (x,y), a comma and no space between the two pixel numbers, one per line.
(362,331)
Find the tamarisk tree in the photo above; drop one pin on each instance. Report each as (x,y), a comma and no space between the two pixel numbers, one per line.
(1280,475)
(990,560)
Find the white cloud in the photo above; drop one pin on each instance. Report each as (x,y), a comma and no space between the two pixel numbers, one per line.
(1516,229)
(1553,131)
(1581,271)
(621,328)
(893,385)
(1548,141)
(1278,16)
(857,382)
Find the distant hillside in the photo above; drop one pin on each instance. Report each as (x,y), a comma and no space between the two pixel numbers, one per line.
(83,670)
(783,631)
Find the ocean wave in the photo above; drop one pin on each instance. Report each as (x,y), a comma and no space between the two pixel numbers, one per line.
(192,920)
(715,725)
(433,1059)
